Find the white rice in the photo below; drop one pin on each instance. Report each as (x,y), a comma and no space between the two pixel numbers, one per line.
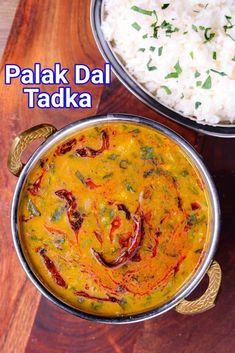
(210,105)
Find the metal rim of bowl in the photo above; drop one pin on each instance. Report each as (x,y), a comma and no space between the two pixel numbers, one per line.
(219,130)
(190,152)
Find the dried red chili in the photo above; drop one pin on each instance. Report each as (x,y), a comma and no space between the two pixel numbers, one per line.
(180,203)
(90,152)
(122,207)
(115,224)
(155,248)
(42,162)
(105,299)
(35,187)
(90,184)
(52,268)
(126,254)
(148,217)
(74,216)
(26,219)
(195,206)
(148,191)
(98,236)
(158,232)
(124,239)
(177,266)
(65,147)
(136,258)
(67,196)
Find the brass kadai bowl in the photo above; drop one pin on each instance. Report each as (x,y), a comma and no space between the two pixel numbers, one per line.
(207,265)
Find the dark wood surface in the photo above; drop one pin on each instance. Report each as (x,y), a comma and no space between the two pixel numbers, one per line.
(49,31)
(7,11)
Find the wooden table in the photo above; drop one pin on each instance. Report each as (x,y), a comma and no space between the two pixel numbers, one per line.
(7,11)
(49,31)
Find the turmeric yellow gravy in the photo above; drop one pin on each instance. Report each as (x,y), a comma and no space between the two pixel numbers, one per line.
(115,219)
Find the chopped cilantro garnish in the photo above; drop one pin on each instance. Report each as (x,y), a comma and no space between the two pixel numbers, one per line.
(184,173)
(56,215)
(191,54)
(80,177)
(198,83)
(167,89)
(155,14)
(129,187)
(207,84)
(113,156)
(194,219)
(233,59)
(197,74)
(135,131)
(177,67)
(165,6)
(221,73)
(142,11)
(136,26)
(160,51)
(178,71)
(172,75)
(229,24)
(147,173)
(152,48)
(145,36)
(155,29)
(155,26)
(208,36)
(151,68)
(109,175)
(142,50)
(169,28)
(123,164)
(147,152)
(197,105)
(33,210)
(214,55)
(194,28)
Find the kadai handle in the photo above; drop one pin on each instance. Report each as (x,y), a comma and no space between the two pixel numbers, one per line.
(207,300)
(21,142)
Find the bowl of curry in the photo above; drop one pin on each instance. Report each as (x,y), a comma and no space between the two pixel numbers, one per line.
(115,218)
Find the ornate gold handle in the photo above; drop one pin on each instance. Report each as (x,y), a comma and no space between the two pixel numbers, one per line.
(22,141)
(207,300)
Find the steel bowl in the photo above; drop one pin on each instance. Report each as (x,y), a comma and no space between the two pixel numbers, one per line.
(97,14)
(53,137)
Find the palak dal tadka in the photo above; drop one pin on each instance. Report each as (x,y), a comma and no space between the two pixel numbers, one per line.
(115,219)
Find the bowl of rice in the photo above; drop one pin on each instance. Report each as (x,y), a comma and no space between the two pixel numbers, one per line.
(178,57)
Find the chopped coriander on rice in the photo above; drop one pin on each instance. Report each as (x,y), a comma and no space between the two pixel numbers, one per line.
(151,67)
(202,34)
(142,11)
(165,6)
(136,26)
(197,105)
(167,90)
(208,83)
